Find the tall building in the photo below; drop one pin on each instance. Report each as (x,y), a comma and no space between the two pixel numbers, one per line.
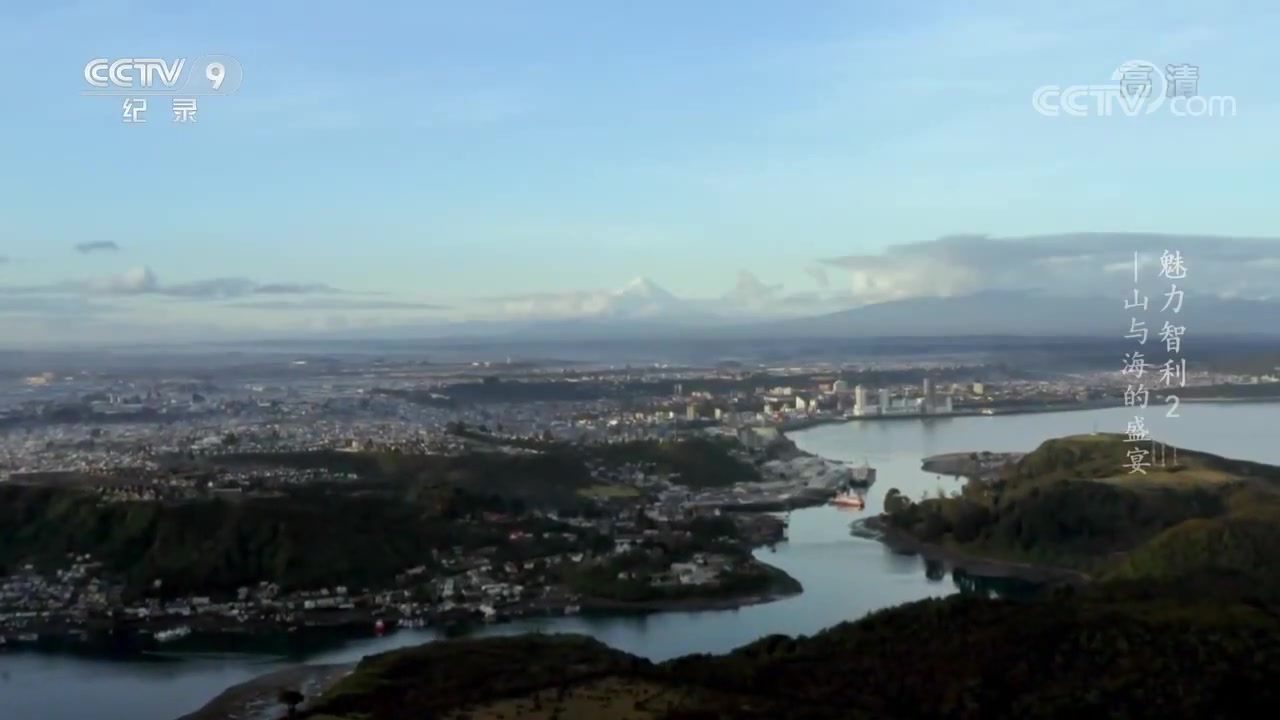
(929,399)
(884,401)
(979,389)
(840,386)
(860,400)
(679,390)
(691,412)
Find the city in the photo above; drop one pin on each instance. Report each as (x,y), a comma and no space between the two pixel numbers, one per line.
(300,423)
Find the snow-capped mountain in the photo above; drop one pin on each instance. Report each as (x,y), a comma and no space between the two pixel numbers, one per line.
(640,299)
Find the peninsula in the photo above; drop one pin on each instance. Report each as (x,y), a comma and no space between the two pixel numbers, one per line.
(499,528)
(1076,507)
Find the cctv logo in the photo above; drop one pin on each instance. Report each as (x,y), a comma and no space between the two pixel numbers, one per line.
(133,73)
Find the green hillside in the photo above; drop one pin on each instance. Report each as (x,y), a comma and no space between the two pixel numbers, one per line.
(300,540)
(1073,503)
(1246,544)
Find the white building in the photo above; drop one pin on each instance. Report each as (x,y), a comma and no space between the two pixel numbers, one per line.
(860,400)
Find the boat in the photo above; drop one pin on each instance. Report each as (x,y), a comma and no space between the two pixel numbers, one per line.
(849,499)
(172,634)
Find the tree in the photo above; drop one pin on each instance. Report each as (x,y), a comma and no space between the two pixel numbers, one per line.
(896,502)
(292,699)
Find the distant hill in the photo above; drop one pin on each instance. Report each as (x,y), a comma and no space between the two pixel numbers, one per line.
(1023,313)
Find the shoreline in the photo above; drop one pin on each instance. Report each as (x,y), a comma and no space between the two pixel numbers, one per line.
(782,586)
(790,426)
(256,698)
(1260,400)
(900,541)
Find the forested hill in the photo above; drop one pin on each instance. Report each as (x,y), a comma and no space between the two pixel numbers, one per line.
(401,507)
(1103,653)
(1073,502)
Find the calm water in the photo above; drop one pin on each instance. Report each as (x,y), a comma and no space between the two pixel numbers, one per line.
(844,577)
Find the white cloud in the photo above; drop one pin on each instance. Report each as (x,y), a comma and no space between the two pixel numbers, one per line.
(85,248)
(134,281)
(1095,263)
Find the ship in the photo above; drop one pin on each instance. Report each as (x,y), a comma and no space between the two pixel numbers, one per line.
(848,499)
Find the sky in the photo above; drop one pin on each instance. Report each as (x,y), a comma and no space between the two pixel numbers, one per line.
(391,163)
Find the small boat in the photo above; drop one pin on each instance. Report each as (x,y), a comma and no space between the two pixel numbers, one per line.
(172,634)
(379,627)
(849,499)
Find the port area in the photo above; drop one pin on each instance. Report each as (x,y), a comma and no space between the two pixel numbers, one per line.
(798,481)
(978,466)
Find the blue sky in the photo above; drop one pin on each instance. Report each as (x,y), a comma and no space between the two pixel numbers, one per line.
(440,153)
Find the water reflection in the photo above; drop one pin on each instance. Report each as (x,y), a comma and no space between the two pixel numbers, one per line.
(995,587)
(898,563)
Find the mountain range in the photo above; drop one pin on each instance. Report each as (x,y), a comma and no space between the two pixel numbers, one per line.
(643,309)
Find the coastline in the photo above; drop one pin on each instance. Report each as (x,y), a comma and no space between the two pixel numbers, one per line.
(900,541)
(1259,400)
(796,425)
(782,586)
(256,698)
